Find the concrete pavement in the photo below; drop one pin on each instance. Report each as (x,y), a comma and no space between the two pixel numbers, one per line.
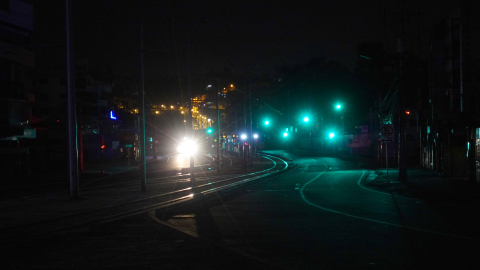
(426,185)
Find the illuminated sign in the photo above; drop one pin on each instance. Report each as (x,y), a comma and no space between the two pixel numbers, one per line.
(112,116)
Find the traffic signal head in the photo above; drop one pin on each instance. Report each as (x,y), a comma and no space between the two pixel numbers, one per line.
(267,122)
(331,135)
(209,130)
(338,106)
(305,119)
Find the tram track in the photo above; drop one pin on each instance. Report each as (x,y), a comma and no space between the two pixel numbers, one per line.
(174,192)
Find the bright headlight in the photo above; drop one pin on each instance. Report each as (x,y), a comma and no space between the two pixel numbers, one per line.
(187,147)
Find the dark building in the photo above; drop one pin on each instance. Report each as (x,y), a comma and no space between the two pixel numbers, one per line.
(16,64)
(451,119)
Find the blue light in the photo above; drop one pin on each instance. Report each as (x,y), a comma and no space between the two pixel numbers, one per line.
(112,116)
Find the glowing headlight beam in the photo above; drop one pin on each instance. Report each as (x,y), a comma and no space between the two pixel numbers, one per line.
(187,147)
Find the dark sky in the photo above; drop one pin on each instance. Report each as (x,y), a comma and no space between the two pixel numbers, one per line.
(233,34)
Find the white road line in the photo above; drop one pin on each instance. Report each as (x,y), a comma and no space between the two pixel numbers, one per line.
(385,193)
(369,219)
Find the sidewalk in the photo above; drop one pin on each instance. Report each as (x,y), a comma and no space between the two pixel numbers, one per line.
(426,185)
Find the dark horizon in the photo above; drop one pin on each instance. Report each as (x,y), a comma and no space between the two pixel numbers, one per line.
(228,35)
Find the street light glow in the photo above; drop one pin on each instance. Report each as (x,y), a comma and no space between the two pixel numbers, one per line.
(255,136)
(243,136)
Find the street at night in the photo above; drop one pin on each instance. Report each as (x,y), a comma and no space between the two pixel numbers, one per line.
(320,215)
(239,134)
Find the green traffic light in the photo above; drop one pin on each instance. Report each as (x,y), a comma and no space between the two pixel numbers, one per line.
(331,135)
(267,122)
(338,106)
(285,134)
(305,119)
(209,130)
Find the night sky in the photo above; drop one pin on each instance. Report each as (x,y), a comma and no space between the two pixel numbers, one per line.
(237,35)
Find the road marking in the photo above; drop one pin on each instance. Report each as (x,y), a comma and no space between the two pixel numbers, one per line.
(385,193)
(302,195)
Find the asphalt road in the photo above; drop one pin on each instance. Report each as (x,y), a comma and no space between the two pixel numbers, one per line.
(319,216)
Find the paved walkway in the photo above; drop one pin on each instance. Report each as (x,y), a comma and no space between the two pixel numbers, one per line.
(426,185)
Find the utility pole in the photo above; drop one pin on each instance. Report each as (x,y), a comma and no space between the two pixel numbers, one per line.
(189,128)
(218,124)
(402,170)
(72,117)
(250,136)
(143,177)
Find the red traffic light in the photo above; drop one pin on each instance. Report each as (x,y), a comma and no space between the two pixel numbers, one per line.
(407,112)
(102,146)
(246,143)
